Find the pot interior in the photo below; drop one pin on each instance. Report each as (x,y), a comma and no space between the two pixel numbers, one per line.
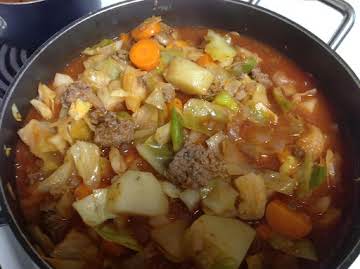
(339,84)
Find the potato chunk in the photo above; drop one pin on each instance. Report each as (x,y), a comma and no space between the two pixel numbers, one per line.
(252,192)
(188,76)
(137,193)
(216,241)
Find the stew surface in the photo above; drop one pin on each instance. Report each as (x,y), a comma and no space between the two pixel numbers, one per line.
(181,148)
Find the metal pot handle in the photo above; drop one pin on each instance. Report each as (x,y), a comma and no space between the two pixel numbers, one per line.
(348,13)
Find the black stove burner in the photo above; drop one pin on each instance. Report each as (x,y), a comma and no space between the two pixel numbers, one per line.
(11,60)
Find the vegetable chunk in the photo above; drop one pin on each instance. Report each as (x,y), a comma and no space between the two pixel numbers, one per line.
(189,77)
(213,240)
(137,193)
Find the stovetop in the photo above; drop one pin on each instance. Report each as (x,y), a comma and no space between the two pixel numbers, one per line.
(312,14)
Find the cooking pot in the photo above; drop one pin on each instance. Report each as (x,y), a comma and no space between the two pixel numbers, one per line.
(340,85)
(28,24)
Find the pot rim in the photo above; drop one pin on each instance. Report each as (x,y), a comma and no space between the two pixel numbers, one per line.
(15,228)
(21,3)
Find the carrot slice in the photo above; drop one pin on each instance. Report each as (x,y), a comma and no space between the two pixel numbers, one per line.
(124,37)
(204,60)
(146,30)
(145,54)
(112,248)
(176,102)
(82,191)
(287,222)
(263,231)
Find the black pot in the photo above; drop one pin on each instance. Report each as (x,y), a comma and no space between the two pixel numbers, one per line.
(339,84)
(28,24)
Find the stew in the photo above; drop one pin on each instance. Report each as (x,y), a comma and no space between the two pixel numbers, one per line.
(181,148)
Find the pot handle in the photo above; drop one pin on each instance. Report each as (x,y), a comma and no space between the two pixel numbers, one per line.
(348,13)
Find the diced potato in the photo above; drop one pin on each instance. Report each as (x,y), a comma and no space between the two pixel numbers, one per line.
(92,209)
(170,239)
(137,193)
(188,76)
(252,192)
(213,240)
(221,200)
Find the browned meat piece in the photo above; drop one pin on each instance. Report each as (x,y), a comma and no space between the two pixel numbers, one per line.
(261,77)
(110,130)
(79,90)
(54,225)
(194,165)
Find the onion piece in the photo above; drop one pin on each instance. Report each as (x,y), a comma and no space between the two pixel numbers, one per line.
(15,112)
(191,199)
(170,189)
(117,161)
(62,80)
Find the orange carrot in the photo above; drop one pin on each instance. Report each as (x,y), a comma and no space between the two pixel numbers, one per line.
(124,37)
(263,231)
(176,102)
(287,222)
(177,44)
(146,30)
(82,191)
(112,249)
(145,54)
(204,60)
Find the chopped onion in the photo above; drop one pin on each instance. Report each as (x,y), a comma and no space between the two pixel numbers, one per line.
(170,189)
(215,141)
(15,112)
(309,105)
(117,161)
(62,80)
(43,109)
(191,198)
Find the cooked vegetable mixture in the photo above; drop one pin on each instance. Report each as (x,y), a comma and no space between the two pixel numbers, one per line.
(180,148)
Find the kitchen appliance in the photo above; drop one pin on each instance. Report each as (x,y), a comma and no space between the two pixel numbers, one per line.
(302,46)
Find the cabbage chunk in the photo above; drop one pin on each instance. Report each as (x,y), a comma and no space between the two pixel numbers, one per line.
(57,181)
(36,134)
(218,48)
(92,209)
(86,157)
